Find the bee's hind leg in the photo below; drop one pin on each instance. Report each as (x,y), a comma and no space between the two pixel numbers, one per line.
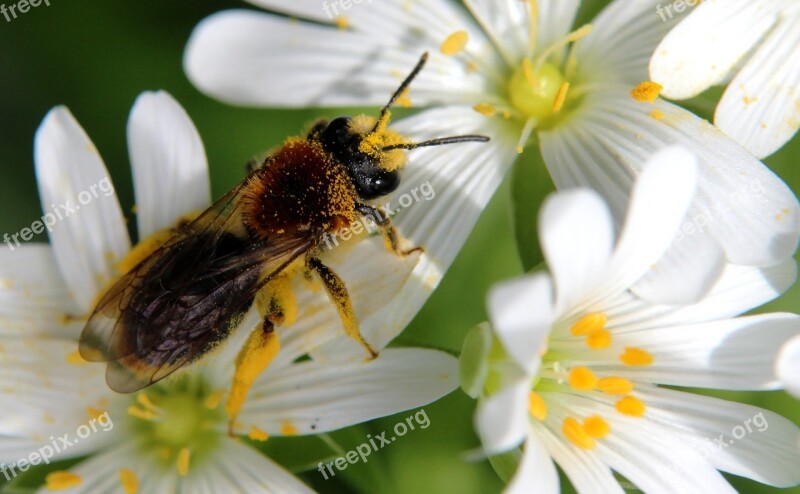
(391,237)
(337,291)
(277,304)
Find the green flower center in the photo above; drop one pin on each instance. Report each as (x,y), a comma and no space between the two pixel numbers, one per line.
(537,93)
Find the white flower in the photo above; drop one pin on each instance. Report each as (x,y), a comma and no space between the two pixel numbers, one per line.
(754,47)
(586,358)
(788,366)
(171,437)
(592,132)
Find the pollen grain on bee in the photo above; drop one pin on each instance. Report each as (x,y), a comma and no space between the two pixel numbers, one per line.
(370,224)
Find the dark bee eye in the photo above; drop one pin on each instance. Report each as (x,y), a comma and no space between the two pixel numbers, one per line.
(371,181)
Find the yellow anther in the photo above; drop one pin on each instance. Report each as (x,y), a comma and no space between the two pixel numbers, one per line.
(646,91)
(454,43)
(588,324)
(596,427)
(75,358)
(530,75)
(143,400)
(561,97)
(485,109)
(288,428)
(257,434)
(184,456)
(342,22)
(577,435)
(142,414)
(630,405)
(582,379)
(599,339)
(60,479)
(636,357)
(536,406)
(615,385)
(129,480)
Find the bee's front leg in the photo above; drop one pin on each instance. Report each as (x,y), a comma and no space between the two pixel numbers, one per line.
(391,237)
(337,291)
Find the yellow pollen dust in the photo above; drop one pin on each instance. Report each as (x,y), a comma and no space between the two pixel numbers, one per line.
(536,406)
(657,114)
(646,91)
(59,480)
(403,99)
(288,428)
(184,457)
(631,406)
(94,412)
(596,427)
(615,385)
(582,379)
(129,480)
(589,324)
(636,357)
(599,339)
(455,43)
(342,22)
(75,358)
(254,357)
(257,434)
(576,434)
(485,109)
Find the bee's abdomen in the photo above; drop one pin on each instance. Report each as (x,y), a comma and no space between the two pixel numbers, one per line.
(300,187)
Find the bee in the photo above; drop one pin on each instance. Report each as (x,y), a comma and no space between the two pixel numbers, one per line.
(188,295)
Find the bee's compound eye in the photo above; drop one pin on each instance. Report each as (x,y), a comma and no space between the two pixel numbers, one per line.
(377,184)
(337,137)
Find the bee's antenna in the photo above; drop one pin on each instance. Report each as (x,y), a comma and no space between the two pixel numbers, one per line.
(403,86)
(437,142)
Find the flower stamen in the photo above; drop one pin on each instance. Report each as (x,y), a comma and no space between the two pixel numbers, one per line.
(631,406)
(582,379)
(537,406)
(577,435)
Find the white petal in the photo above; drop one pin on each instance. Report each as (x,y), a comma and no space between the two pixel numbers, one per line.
(536,472)
(576,231)
(787,366)
(44,395)
(654,459)
(74,184)
(170,171)
(460,180)
(758,444)
(286,63)
(586,473)
(761,107)
(34,301)
(686,273)
(736,354)
(740,203)
(703,49)
(235,467)
(316,398)
(739,289)
(521,314)
(622,41)
(658,203)
(502,419)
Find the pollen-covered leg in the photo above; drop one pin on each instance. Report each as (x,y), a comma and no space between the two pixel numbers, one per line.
(338,293)
(277,304)
(391,236)
(260,349)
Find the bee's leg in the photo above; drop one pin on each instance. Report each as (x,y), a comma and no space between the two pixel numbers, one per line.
(391,237)
(338,294)
(277,304)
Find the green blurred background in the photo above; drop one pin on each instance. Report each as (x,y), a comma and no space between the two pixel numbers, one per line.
(97,56)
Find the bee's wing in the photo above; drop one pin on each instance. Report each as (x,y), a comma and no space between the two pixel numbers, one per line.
(187,296)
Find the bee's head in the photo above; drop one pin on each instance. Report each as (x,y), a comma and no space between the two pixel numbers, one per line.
(372,153)
(373,169)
